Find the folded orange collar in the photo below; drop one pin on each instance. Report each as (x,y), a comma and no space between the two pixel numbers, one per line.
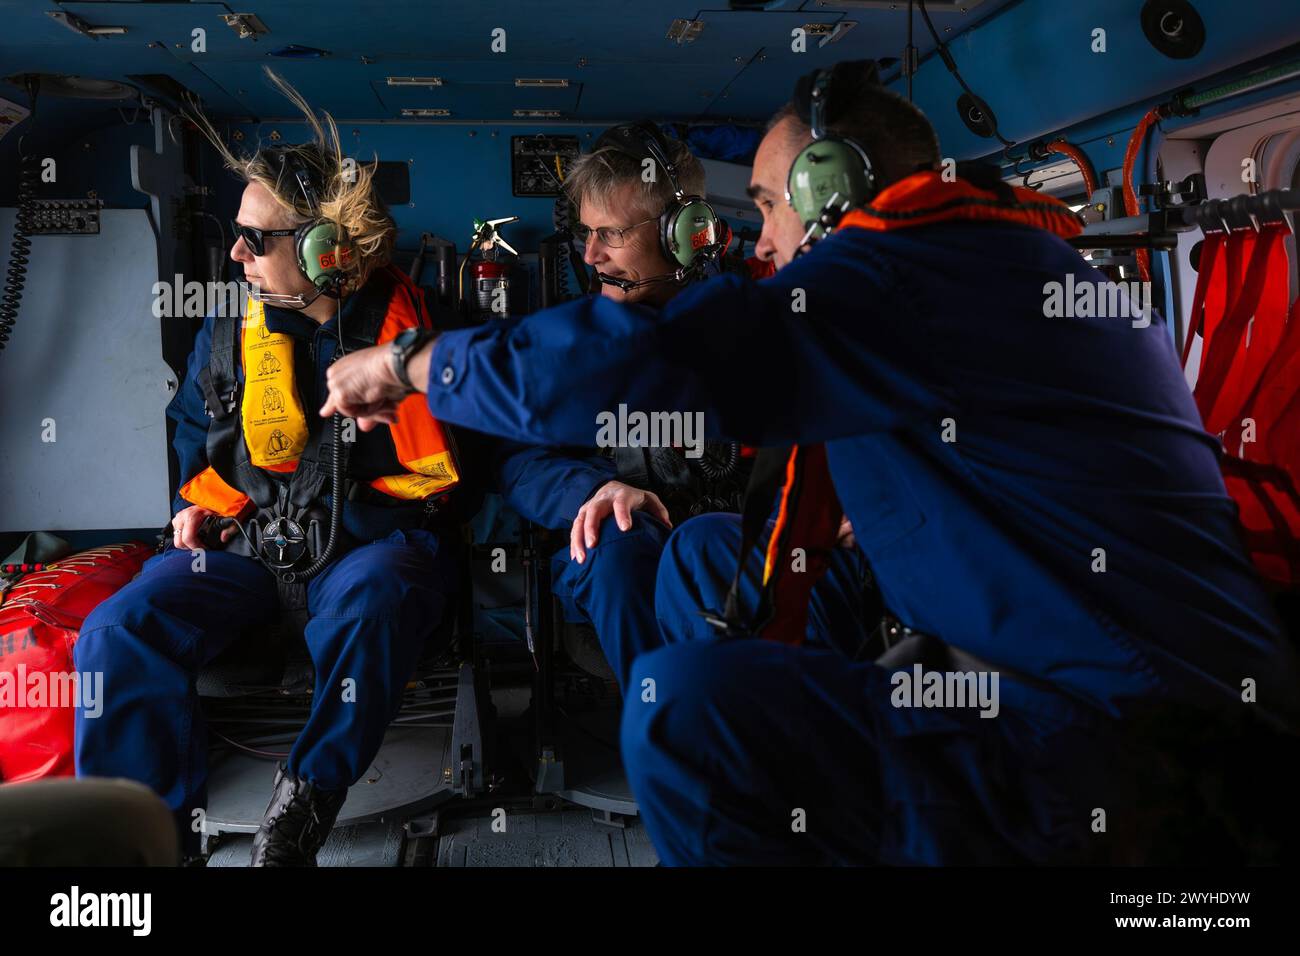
(925,198)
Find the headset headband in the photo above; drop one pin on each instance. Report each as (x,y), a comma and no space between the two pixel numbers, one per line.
(652,145)
(817,103)
(816,86)
(292,164)
(660,155)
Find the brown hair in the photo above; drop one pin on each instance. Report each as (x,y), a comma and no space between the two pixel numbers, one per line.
(895,134)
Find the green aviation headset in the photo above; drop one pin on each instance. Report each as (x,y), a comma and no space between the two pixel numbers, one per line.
(832,174)
(321,246)
(689,230)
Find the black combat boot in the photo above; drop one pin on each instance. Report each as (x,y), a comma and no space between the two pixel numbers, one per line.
(298,819)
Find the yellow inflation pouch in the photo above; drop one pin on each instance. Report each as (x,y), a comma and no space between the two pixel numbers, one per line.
(275,427)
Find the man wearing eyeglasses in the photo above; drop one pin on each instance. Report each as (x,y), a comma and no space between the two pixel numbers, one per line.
(616,508)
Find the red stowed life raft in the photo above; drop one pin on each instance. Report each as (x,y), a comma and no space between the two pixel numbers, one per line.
(40,619)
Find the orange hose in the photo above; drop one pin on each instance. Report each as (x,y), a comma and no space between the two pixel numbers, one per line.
(1066,148)
(1131,207)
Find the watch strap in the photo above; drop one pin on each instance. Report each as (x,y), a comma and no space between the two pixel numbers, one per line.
(400,353)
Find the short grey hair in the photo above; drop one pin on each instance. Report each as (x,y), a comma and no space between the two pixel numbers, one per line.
(596,175)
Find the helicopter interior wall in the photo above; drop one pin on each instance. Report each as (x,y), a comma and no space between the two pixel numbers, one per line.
(1039,73)
(735,71)
(457,174)
(70,463)
(590,44)
(999,46)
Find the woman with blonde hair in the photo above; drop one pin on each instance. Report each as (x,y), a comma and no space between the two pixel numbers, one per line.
(347,534)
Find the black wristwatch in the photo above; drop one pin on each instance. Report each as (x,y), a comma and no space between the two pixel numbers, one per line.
(400,350)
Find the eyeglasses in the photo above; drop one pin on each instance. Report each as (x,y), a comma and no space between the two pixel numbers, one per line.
(611,236)
(256,237)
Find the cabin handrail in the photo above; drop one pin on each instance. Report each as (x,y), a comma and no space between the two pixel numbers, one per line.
(1158,229)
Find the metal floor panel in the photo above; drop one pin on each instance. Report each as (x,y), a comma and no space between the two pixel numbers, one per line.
(593,771)
(369,844)
(545,839)
(408,772)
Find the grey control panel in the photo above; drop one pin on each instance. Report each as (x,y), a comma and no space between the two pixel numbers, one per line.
(538,164)
(66,217)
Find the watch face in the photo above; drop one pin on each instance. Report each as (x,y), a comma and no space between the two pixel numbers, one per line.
(406,337)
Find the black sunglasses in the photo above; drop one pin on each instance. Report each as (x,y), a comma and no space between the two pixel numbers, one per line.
(256,237)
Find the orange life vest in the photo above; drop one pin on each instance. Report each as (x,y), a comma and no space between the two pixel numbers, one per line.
(420,441)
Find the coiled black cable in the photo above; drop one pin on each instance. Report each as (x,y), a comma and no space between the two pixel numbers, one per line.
(562,291)
(729,456)
(16,274)
(336,509)
(562,218)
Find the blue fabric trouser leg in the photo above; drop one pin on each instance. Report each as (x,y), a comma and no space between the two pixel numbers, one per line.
(371,612)
(748,751)
(752,752)
(613,589)
(696,572)
(149,640)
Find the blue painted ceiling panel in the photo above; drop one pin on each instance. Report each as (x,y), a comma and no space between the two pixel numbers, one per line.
(471,98)
(33,42)
(616,54)
(346,95)
(1031,59)
(692,89)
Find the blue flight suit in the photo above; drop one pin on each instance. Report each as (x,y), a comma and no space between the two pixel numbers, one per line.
(613,588)
(371,612)
(696,571)
(1037,492)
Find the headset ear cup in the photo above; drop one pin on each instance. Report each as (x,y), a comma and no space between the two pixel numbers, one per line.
(667,233)
(825,168)
(667,221)
(299,248)
(685,228)
(323,252)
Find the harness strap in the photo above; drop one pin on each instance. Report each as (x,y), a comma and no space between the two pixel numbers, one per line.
(808,518)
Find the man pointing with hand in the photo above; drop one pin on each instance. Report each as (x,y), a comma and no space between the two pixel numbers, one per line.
(1036,497)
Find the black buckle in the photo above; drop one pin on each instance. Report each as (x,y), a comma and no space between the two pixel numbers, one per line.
(214,400)
(283,543)
(226,402)
(287,538)
(725,626)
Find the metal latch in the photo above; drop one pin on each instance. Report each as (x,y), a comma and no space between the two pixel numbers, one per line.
(685,31)
(78,25)
(246,25)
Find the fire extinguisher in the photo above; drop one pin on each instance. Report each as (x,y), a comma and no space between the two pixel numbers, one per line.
(492,273)
(490,280)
